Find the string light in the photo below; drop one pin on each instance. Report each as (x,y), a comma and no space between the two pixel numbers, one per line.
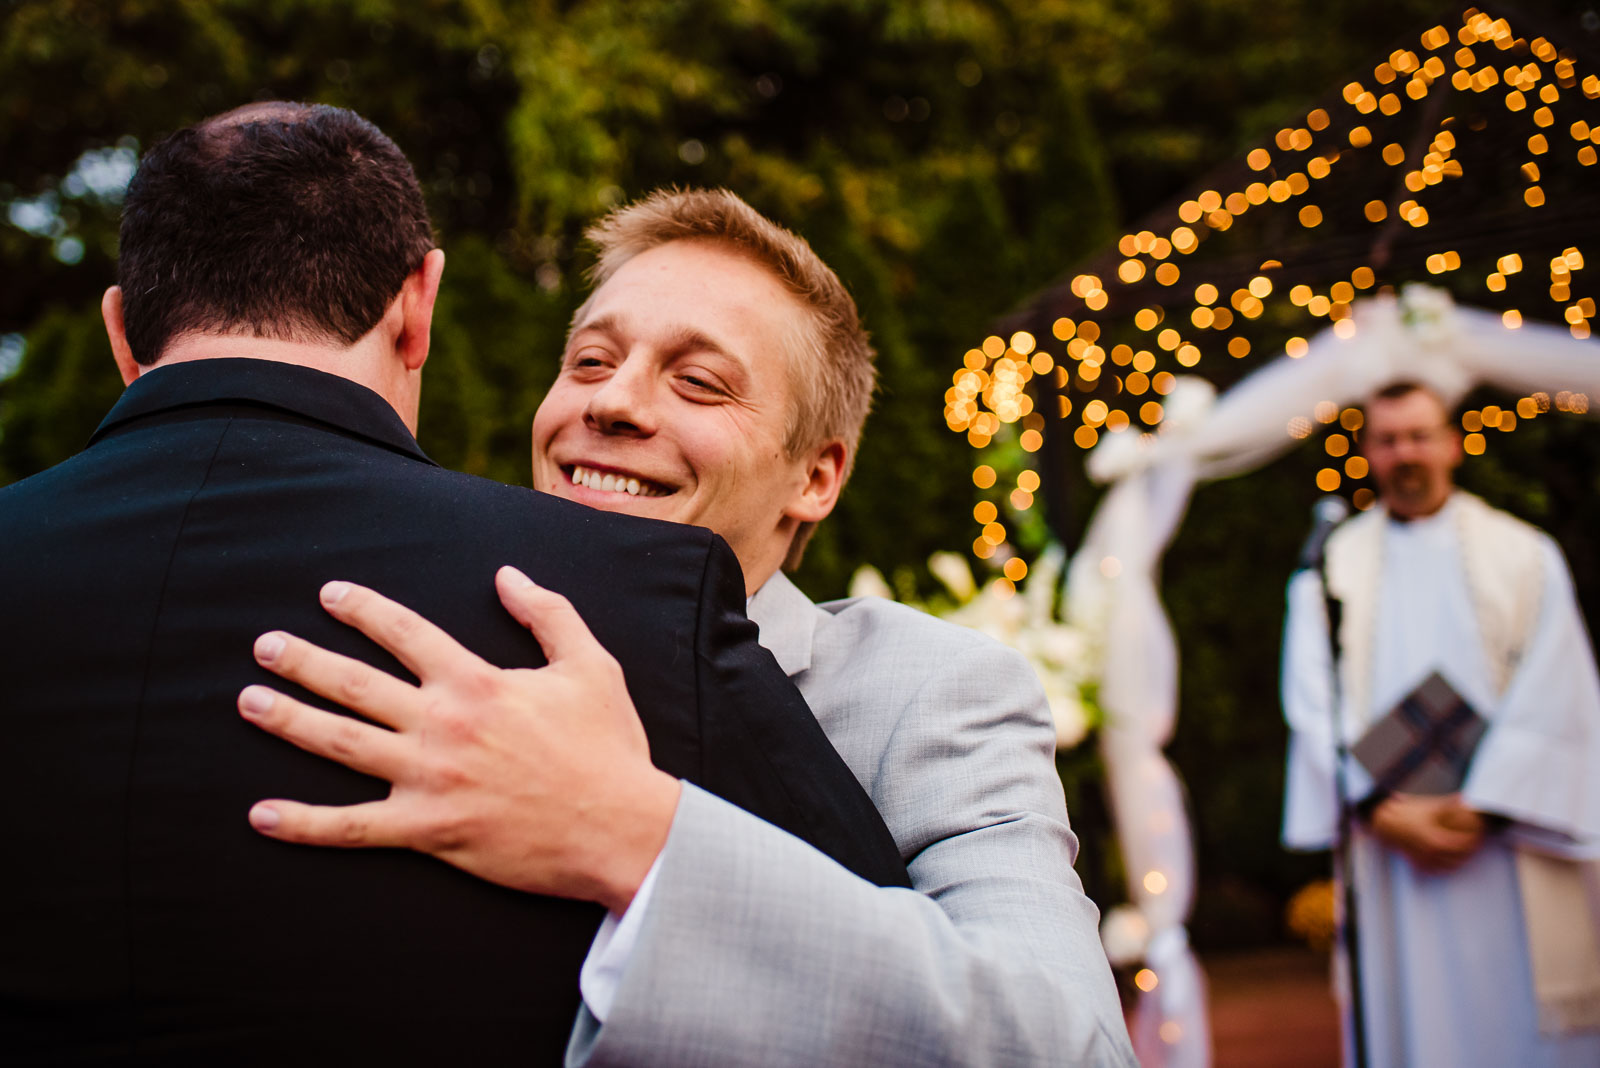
(991,396)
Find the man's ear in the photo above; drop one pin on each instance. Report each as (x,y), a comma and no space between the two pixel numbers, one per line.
(417,296)
(111,312)
(824,480)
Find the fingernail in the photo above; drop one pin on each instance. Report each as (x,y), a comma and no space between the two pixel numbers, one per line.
(255,700)
(514,578)
(334,592)
(269,647)
(264,818)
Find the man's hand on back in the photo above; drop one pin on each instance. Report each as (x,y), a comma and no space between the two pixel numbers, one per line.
(537,779)
(1437,834)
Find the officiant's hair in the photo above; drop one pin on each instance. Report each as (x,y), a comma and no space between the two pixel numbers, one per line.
(1404,387)
(1401,388)
(298,222)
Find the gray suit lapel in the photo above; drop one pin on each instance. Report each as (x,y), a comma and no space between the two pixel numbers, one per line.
(788,621)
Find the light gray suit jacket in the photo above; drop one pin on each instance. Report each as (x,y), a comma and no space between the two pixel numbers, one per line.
(758,950)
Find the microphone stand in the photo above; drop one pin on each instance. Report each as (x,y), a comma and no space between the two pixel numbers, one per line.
(1347,817)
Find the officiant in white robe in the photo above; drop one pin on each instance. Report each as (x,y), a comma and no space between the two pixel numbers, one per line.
(1476,910)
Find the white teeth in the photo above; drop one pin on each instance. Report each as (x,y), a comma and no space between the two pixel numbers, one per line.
(610,483)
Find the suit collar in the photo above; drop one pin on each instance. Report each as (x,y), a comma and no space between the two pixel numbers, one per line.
(788,621)
(304,391)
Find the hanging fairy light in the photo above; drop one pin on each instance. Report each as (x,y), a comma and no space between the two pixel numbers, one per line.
(1103,368)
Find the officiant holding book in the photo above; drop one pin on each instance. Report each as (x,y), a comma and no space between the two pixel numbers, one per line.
(1470,708)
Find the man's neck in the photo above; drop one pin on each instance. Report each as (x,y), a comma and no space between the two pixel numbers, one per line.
(360,363)
(1419,516)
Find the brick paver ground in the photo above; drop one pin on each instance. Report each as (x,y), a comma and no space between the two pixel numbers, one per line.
(1272,1009)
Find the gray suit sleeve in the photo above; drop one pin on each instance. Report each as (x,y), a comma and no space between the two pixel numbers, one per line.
(757,949)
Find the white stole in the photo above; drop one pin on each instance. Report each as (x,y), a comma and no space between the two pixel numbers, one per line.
(1504,569)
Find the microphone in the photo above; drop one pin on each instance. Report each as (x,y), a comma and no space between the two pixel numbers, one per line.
(1326,514)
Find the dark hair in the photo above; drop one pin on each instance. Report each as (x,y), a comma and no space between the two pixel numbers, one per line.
(291,221)
(1404,387)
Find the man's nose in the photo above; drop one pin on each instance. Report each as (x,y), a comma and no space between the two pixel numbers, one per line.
(1406,450)
(623,404)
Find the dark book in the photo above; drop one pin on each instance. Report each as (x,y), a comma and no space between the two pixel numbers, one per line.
(1424,745)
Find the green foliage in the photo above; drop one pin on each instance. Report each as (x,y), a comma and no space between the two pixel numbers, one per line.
(920,148)
(496,346)
(948,158)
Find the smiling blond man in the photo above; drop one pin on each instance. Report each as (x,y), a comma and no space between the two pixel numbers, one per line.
(719,376)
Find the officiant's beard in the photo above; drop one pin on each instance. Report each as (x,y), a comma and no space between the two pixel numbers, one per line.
(1411,489)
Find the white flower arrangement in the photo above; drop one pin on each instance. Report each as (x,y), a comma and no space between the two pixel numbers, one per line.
(1065,656)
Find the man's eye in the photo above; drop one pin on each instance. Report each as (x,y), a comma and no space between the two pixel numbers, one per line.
(700,384)
(587,358)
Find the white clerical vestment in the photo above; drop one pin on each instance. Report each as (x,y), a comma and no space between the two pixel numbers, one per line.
(1445,958)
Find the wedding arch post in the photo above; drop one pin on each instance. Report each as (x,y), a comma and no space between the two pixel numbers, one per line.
(1113,579)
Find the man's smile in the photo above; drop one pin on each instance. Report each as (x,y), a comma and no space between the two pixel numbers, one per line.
(614,481)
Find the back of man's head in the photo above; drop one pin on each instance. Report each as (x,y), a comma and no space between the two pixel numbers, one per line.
(294,222)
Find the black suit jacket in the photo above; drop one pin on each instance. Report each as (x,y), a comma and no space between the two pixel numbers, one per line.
(141,919)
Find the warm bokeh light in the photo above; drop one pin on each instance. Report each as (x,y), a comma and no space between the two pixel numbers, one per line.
(991,389)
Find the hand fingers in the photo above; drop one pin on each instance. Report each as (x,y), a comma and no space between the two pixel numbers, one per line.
(422,647)
(357,686)
(348,827)
(359,746)
(560,631)
(1461,820)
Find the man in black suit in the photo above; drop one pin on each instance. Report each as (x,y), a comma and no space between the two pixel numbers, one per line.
(277,283)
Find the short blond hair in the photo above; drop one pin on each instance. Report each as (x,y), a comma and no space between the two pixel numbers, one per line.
(830,368)
(833,374)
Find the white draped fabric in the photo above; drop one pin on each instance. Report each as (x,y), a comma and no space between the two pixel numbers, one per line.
(1112,580)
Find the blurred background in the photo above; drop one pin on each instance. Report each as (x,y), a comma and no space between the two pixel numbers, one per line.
(949,159)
